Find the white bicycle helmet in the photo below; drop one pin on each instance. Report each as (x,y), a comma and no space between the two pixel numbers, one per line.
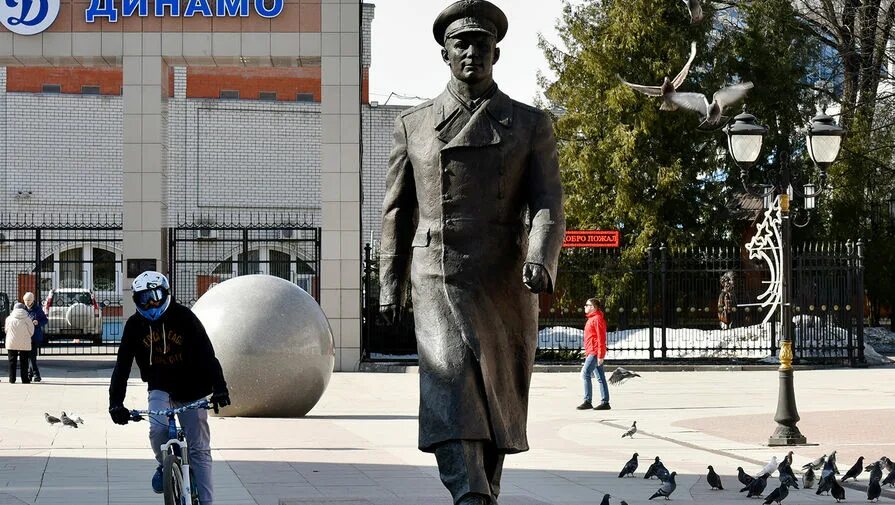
(152,294)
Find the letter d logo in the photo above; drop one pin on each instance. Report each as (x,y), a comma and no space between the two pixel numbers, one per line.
(28,17)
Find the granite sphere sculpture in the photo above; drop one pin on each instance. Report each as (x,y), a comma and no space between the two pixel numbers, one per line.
(274,344)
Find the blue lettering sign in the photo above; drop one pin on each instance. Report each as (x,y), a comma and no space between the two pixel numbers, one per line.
(107,10)
(233,8)
(129,6)
(173,7)
(273,12)
(197,6)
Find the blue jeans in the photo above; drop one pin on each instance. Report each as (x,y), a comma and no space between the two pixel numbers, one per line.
(195,426)
(590,369)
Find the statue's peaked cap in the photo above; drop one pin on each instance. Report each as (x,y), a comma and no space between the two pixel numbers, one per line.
(470,15)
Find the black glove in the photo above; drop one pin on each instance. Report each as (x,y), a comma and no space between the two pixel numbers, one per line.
(119,414)
(220,398)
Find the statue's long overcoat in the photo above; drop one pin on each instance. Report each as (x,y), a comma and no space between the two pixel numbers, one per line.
(454,221)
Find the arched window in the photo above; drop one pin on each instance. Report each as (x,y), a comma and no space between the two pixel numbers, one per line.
(286,265)
(86,266)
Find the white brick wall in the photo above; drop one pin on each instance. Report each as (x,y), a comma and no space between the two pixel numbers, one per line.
(377,124)
(66,150)
(5,196)
(367,13)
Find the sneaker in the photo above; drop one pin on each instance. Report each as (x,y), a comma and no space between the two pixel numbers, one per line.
(603,406)
(157,485)
(36,377)
(585,406)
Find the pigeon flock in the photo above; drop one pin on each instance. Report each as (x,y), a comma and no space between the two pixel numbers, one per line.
(711,112)
(756,484)
(64,419)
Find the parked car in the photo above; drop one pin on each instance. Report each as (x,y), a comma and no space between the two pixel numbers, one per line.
(73,313)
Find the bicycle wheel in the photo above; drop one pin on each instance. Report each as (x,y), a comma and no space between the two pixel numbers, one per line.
(172,479)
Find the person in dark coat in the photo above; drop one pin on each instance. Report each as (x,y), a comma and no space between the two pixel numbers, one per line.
(39,320)
(473,218)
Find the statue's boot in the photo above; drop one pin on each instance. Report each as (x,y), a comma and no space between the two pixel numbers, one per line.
(475,499)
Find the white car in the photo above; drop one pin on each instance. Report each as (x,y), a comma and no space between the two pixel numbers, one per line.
(73,313)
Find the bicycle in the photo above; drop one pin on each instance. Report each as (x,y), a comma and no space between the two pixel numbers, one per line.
(177,476)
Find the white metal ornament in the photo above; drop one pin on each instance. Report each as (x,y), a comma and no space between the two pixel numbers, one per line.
(767,244)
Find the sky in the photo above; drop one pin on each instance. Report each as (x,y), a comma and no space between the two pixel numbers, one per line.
(406,60)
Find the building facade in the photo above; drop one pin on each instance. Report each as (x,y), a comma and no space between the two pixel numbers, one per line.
(213,121)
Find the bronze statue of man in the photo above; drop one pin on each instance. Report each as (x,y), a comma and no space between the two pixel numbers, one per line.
(473,217)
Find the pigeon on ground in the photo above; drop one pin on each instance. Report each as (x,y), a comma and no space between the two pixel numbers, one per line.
(876,471)
(835,466)
(712,113)
(808,479)
(777,495)
(621,374)
(770,468)
(713,479)
(890,479)
(788,458)
(756,488)
(68,421)
(664,90)
(695,9)
(629,467)
(817,464)
(827,475)
(630,432)
(855,470)
(744,477)
(651,471)
(605,500)
(662,473)
(874,490)
(51,419)
(667,488)
(789,480)
(887,464)
(837,491)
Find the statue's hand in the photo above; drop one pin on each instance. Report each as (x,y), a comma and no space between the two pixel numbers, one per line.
(535,276)
(389,313)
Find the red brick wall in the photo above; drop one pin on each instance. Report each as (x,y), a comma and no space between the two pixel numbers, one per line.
(207,82)
(32,79)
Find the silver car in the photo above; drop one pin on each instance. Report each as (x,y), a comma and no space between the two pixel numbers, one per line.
(73,313)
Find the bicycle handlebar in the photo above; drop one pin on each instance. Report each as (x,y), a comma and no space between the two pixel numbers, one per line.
(137,415)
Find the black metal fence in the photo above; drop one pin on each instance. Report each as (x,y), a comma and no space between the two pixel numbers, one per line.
(204,253)
(72,265)
(664,305)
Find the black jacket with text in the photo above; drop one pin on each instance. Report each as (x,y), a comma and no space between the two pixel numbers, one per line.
(173,354)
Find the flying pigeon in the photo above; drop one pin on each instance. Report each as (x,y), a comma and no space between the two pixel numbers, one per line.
(874,490)
(620,375)
(837,491)
(890,479)
(770,468)
(808,479)
(695,9)
(51,419)
(664,90)
(777,495)
(833,458)
(79,420)
(712,114)
(667,488)
(817,464)
(713,479)
(651,471)
(757,486)
(68,421)
(629,467)
(855,470)
(630,432)
(744,477)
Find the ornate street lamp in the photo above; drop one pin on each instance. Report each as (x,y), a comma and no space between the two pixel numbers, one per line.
(744,140)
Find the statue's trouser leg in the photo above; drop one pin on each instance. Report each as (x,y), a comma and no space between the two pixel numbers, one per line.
(470,468)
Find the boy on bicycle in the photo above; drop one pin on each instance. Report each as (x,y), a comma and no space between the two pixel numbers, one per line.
(177,361)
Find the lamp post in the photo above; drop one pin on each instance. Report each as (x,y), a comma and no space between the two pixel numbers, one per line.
(824,138)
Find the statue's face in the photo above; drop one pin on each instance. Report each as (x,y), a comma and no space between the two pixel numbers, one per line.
(471,56)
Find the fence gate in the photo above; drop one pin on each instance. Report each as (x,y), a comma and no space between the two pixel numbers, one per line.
(73,266)
(201,255)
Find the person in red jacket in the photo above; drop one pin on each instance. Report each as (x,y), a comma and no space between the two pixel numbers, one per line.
(595,348)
